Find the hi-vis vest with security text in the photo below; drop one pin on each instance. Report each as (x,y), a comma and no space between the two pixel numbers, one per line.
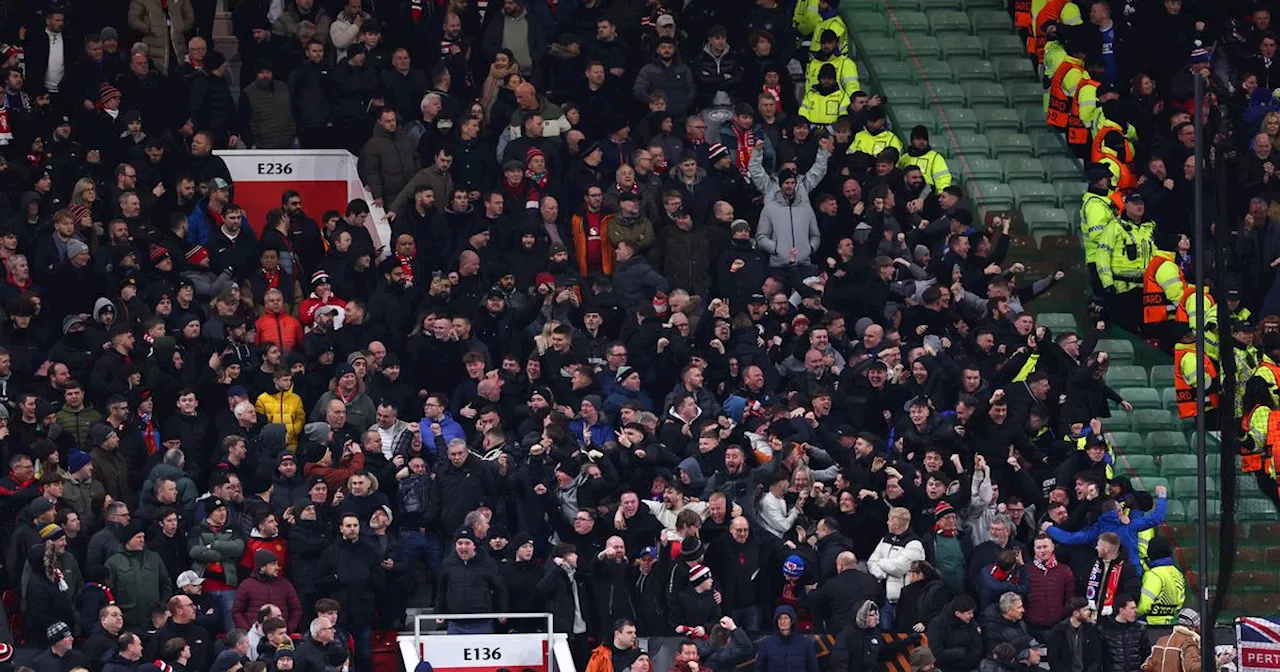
(1164,590)
(1084,105)
(1184,379)
(824,108)
(1062,88)
(1099,150)
(1269,373)
(1187,315)
(1044,12)
(1261,430)
(1162,288)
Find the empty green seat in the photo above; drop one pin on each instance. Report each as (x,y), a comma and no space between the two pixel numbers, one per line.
(933,5)
(1187,487)
(1141,397)
(910,22)
(947,93)
(1014,69)
(980,169)
(1027,93)
(963,46)
(973,70)
(1046,143)
(1003,45)
(863,5)
(903,94)
(1162,375)
(1175,465)
(998,119)
(933,71)
(1152,420)
(868,23)
(1062,168)
(1022,168)
(1122,439)
(948,21)
(1120,375)
(992,22)
(1032,116)
(1119,350)
(1057,322)
(877,48)
(1169,396)
(1011,143)
(905,118)
(1069,194)
(960,119)
(984,93)
(1027,193)
(1260,509)
(923,46)
(1149,483)
(1164,441)
(887,71)
(1138,464)
(993,195)
(1176,511)
(1043,221)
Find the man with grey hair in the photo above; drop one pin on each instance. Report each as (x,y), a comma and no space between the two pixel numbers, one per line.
(986,553)
(1004,624)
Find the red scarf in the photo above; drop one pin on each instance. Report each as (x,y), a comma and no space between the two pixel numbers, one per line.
(149,434)
(1001,575)
(1047,564)
(6,131)
(273,278)
(937,528)
(745,144)
(406,265)
(776,92)
(635,188)
(22,287)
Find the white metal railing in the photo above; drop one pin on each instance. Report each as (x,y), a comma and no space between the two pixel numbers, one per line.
(418,630)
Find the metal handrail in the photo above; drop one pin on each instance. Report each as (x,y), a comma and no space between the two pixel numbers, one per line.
(551,656)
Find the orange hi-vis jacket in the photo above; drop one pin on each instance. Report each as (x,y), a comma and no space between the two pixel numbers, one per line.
(1184,391)
(1060,100)
(1157,280)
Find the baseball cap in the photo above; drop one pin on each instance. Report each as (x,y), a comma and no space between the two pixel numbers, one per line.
(189,578)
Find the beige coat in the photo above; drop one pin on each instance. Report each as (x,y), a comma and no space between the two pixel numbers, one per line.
(148,18)
(1178,651)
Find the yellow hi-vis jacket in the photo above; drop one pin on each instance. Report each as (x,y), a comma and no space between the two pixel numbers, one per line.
(932,166)
(1120,238)
(1096,212)
(846,72)
(1164,589)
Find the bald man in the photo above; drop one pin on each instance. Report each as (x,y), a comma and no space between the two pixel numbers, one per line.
(835,602)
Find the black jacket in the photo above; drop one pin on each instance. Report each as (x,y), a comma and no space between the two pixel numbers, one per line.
(836,600)
(956,645)
(470,587)
(1126,645)
(349,567)
(557,587)
(1060,646)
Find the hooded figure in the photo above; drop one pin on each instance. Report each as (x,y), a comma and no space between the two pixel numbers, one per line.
(785,650)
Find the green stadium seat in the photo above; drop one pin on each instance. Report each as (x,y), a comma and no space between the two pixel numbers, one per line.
(1121,375)
(1003,45)
(1169,396)
(1162,375)
(862,5)
(1136,464)
(1175,465)
(958,119)
(1142,397)
(1069,195)
(1123,440)
(985,93)
(993,195)
(963,46)
(909,95)
(973,5)
(948,22)
(1046,143)
(979,169)
(892,71)
(992,22)
(1153,420)
(876,48)
(868,23)
(973,70)
(1119,421)
(973,144)
(1162,442)
(923,46)
(998,119)
(1043,221)
(939,141)
(909,22)
(1057,322)
(905,118)
(1058,168)
(1022,168)
(1031,116)
(1185,487)
(1014,69)
(934,71)
(1149,483)
(1118,349)
(1176,512)
(904,5)
(1026,193)
(1259,509)
(946,94)
(1011,143)
(1027,93)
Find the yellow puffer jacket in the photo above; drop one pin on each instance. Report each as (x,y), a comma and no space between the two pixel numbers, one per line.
(285,408)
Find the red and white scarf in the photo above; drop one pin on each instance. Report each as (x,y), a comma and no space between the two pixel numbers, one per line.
(746,142)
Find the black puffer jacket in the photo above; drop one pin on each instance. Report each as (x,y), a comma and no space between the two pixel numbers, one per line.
(1126,645)
(470,587)
(349,569)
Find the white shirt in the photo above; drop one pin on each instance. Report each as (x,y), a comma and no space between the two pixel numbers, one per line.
(57,61)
